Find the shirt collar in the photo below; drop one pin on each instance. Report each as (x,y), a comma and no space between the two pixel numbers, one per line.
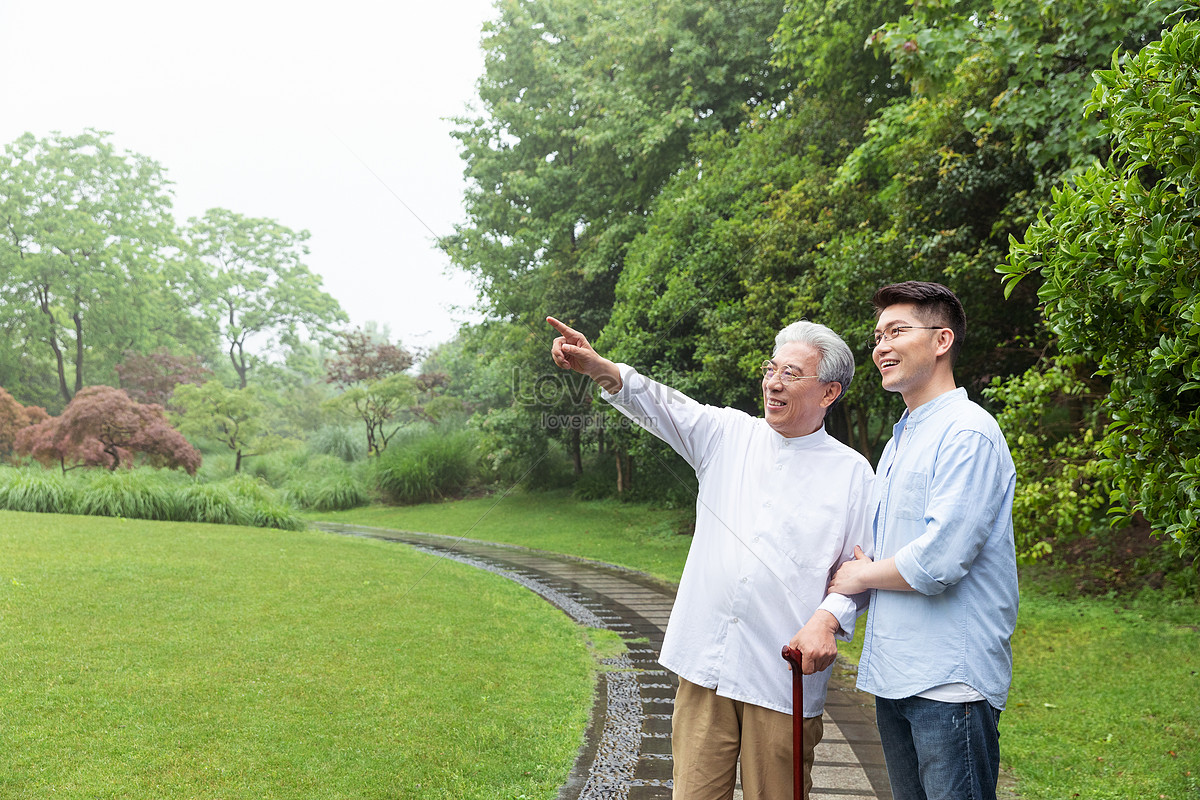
(933,406)
(807,442)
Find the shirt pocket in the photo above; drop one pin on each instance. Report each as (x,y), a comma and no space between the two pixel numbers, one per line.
(910,500)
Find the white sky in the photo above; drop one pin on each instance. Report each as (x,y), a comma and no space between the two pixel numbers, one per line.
(270,109)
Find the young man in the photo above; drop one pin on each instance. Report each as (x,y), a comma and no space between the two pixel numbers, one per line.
(944,585)
(781,505)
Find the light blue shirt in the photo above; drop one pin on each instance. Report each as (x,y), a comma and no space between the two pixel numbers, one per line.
(943,500)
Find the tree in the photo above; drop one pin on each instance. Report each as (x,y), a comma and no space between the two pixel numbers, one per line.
(587,110)
(151,378)
(370,372)
(86,265)
(379,404)
(14,418)
(253,285)
(102,427)
(1119,255)
(361,357)
(233,417)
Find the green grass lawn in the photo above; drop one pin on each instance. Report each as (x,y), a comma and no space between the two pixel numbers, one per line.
(1106,694)
(169,660)
(1105,700)
(628,534)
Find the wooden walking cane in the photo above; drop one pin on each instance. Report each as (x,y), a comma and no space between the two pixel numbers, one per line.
(795,656)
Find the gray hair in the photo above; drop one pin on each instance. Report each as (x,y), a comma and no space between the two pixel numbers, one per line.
(837,362)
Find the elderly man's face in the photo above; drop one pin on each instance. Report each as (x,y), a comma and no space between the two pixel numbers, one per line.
(797,408)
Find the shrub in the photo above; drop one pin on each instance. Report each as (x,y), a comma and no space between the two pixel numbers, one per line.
(336,492)
(428,464)
(266,514)
(1119,257)
(278,467)
(342,441)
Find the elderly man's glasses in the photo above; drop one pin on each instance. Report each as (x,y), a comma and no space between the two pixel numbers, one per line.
(896,330)
(786,373)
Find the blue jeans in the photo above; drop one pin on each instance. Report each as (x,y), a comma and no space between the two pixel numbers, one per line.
(940,751)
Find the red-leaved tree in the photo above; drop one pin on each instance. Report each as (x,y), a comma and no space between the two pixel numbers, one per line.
(152,378)
(103,427)
(14,418)
(365,358)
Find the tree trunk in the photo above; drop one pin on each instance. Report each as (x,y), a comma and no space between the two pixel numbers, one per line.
(576,451)
(238,357)
(43,296)
(237,462)
(78,351)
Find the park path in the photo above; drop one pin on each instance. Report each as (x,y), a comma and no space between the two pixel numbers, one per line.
(627,750)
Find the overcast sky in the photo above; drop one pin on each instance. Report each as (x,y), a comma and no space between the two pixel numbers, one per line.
(313,114)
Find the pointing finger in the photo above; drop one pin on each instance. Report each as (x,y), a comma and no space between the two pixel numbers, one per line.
(565,330)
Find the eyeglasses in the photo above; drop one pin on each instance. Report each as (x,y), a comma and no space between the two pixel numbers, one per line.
(896,330)
(786,373)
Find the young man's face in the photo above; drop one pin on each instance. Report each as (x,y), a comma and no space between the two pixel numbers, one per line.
(906,360)
(797,408)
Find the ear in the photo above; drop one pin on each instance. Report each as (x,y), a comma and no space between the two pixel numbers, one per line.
(832,392)
(943,342)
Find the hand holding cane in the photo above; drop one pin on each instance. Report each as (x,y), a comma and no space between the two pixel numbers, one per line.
(795,657)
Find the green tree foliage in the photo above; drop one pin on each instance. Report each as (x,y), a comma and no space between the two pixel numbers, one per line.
(102,427)
(233,417)
(1054,422)
(916,157)
(1120,262)
(252,285)
(86,264)
(587,111)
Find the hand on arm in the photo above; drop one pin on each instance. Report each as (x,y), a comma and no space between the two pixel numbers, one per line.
(816,642)
(862,574)
(571,350)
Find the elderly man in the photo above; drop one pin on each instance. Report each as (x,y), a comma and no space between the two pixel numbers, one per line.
(781,505)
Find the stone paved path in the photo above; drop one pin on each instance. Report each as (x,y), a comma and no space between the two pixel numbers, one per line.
(627,750)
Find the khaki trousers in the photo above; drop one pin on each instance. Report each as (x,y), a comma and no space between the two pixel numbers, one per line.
(708,733)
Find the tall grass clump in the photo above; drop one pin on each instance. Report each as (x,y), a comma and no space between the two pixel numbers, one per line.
(329,484)
(36,489)
(145,493)
(211,502)
(266,514)
(428,464)
(240,500)
(343,441)
(132,493)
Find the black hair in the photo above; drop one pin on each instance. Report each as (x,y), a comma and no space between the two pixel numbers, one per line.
(934,302)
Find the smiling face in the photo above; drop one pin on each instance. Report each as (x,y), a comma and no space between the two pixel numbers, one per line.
(915,362)
(797,408)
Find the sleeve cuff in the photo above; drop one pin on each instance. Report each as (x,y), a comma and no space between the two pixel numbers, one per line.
(914,574)
(845,610)
(628,373)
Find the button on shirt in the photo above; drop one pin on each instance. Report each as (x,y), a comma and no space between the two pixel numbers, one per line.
(775,517)
(944,496)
